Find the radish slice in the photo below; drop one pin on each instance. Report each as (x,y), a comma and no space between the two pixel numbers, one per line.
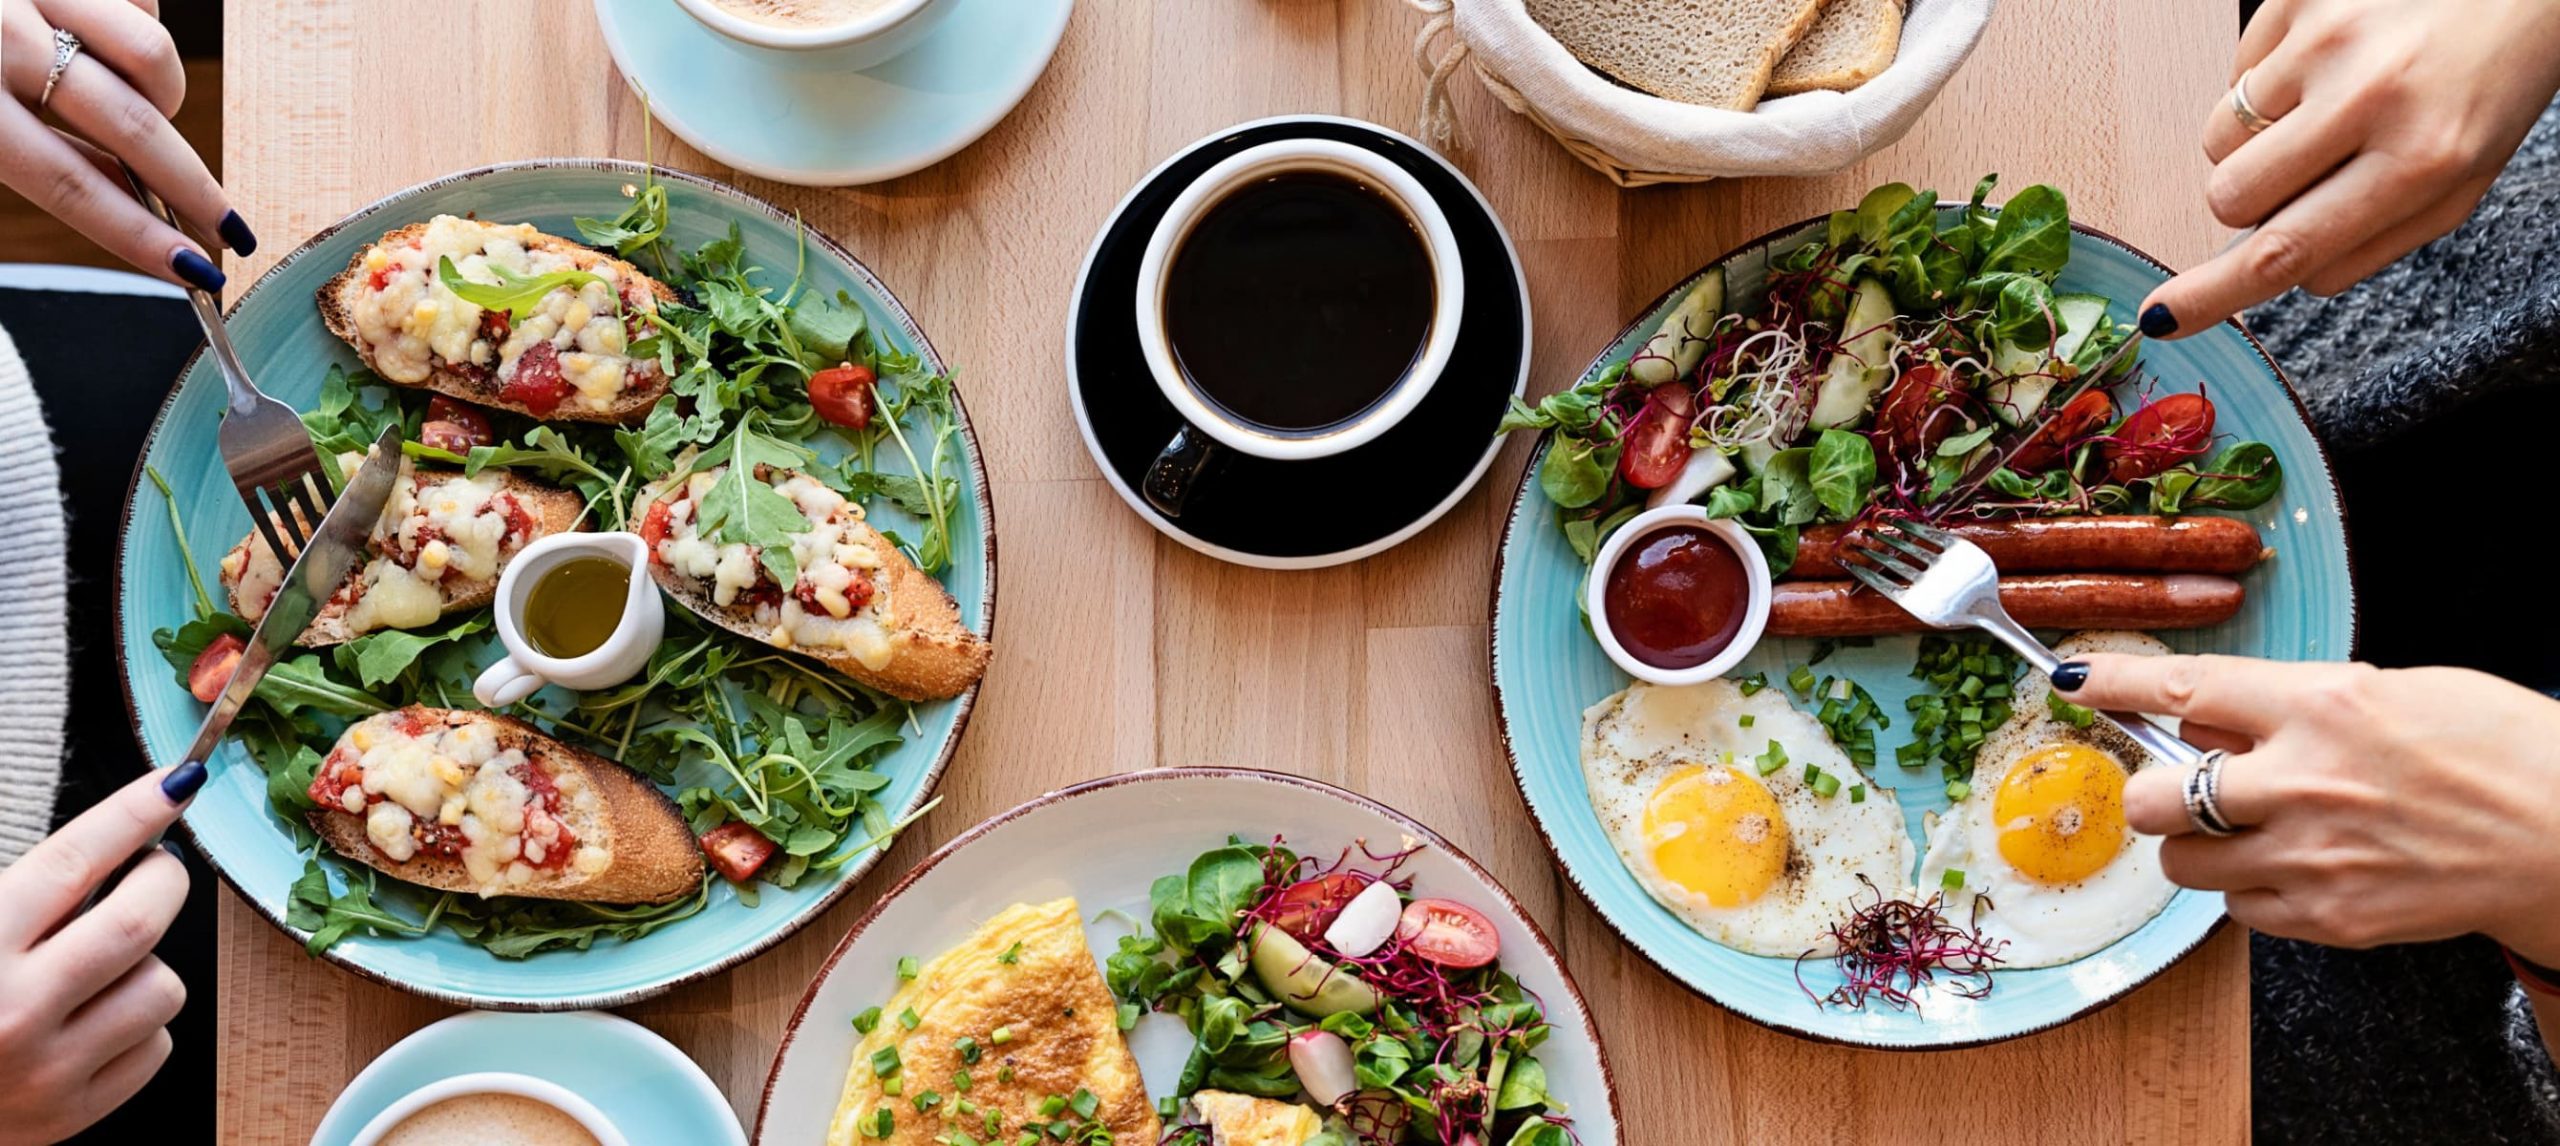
(1323,1063)
(1365,922)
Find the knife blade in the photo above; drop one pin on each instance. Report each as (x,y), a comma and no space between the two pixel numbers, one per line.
(315,576)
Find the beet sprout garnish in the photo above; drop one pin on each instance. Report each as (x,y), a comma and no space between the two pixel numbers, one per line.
(1892,948)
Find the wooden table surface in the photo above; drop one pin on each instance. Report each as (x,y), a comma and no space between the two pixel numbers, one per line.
(1121,650)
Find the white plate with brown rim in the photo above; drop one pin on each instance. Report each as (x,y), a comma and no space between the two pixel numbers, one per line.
(1104,842)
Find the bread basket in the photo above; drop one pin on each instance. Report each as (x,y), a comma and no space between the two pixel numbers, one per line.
(1638,139)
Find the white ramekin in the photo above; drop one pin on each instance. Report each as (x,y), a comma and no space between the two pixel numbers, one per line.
(1755,616)
(867,42)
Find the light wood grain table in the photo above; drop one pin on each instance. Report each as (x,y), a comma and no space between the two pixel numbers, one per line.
(1120,650)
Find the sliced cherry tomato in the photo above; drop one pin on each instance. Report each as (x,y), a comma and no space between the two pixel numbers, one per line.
(1905,417)
(2078,418)
(213,666)
(536,384)
(1657,444)
(842,394)
(736,850)
(1448,933)
(462,416)
(1305,908)
(2158,436)
(654,526)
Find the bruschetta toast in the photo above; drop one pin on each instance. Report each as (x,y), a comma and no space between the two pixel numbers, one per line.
(442,541)
(856,603)
(477,802)
(560,354)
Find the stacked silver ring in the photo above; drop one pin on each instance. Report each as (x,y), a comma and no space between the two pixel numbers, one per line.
(2204,795)
(66,47)
(2244,111)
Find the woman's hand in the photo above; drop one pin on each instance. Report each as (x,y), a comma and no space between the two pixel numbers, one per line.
(2391,119)
(85,1009)
(115,100)
(2376,806)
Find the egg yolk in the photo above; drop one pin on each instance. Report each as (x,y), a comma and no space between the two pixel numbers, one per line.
(2061,813)
(1716,833)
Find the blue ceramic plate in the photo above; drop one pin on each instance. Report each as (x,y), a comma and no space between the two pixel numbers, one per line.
(278,332)
(804,117)
(1547,669)
(641,1082)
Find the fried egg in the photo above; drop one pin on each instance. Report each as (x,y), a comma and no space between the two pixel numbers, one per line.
(2048,866)
(1754,858)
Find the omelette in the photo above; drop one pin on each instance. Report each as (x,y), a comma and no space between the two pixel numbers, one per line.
(1011,1028)
(1243,1120)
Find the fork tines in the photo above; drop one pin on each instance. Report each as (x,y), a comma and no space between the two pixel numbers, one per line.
(1883,544)
(294,507)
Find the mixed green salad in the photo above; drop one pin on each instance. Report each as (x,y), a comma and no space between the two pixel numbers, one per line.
(778,752)
(1907,362)
(1333,985)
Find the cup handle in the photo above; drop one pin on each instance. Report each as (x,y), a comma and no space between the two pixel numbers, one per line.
(505,683)
(1171,476)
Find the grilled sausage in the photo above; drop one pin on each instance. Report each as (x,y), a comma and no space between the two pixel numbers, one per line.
(2052,601)
(2192,544)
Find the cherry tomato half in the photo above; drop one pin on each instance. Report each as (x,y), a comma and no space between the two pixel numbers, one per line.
(1448,933)
(654,526)
(736,850)
(464,424)
(1657,444)
(537,385)
(1904,419)
(842,394)
(1305,908)
(212,668)
(2160,435)
(2078,418)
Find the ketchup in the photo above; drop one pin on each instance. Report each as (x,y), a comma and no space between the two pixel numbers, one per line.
(1677,597)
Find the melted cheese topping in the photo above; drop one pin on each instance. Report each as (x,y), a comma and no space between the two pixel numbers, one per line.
(414,323)
(839,600)
(440,535)
(458,779)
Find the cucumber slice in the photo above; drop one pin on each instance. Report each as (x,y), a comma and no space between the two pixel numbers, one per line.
(1679,343)
(2024,378)
(1859,366)
(2081,315)
(1307,983)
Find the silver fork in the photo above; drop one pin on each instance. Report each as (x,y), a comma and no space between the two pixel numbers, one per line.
(1949,582)
(263,444)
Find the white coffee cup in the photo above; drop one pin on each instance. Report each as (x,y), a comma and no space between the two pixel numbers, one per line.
(548,1093)
(1168,481)
(865,41)
(525,669)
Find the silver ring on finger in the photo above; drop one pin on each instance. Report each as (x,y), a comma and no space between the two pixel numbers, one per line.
(2243,110)
(66,47)
(2204,796)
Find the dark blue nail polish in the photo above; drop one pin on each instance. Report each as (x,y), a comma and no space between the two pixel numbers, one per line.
(236,234)
(175,852)
(197,270)
(182,782)
(2069,676)
(2157,322)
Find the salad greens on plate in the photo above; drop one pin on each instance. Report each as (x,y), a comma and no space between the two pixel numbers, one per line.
(762,369)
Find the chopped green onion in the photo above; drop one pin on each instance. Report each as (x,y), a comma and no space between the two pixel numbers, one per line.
(894,1085)
(909,1018)
(1746,720)
(1004,1073)
(908,968)
(1858,794)
(1811,773)
(1953,880)
(960,1081)
(1128,1016)
(926,1100)
(1958,790)
(1825,784)
(968,1048)
(1753,683)
(884,1062)
(869,1018)
(883,1123)
(1801,679)
(1052,1106)
(1000,1035)
(1011,954)
(1084,1103)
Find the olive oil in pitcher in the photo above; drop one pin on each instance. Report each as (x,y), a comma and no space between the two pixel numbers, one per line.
(576,606)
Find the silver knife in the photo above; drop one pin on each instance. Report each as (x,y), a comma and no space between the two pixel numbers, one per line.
(314,577)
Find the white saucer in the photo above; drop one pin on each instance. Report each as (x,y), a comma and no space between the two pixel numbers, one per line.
(647,1087)
(799,118)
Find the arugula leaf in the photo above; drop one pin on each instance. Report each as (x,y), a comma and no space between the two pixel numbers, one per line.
(641,224)
(516,294)
(377,658)
(303,682)
(1841,471)
(826,329)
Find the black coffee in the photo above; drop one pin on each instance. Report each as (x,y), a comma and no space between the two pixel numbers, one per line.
(1299,300)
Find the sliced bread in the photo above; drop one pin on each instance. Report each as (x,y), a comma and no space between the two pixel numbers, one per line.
(1717,53)
(1853,42)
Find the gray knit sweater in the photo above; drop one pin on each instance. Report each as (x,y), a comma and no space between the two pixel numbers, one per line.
(2426,1042)
(34,629)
